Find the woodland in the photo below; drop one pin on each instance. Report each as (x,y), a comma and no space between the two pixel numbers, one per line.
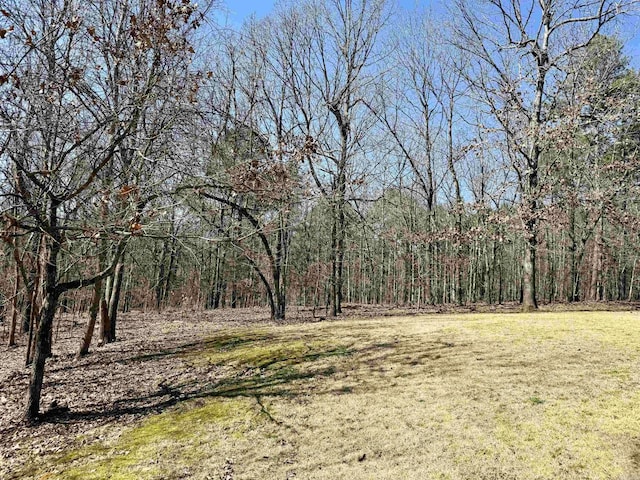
(335,152)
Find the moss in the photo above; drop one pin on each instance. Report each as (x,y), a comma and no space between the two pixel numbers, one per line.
(263,351)
(173,438)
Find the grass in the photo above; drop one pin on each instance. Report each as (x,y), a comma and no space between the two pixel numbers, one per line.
(163,446)
(483,396)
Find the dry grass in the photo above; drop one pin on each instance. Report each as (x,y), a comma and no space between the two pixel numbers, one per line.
(552,395)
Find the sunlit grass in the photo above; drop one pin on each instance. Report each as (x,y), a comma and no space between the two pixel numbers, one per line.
(508,396)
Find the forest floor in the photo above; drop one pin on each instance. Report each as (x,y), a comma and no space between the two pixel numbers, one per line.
(380,393)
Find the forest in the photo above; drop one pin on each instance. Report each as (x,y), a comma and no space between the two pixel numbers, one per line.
(155,158)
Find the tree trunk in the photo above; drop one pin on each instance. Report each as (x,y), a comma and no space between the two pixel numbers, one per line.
(96,303)
(595,288)
(14,307)
(333,297)
(105,324)
(105,319)
(26,307)
(30,285)
(93,316)
(36,300)
(174,253)
(279,300)
(633,275)
(43,336)
(31,328)
(114,299)
(279,269)
(340,258)
(281,305)
(529,301)
(41,353)
(160,280)
(459,205)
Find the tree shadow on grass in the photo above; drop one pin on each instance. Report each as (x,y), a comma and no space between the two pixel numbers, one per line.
(269,365)
(223,342)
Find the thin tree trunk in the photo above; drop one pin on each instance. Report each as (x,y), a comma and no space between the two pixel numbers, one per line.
(458,208)
(14,307)
(334,263)
(93,316)
(160,279)
(41,353)
(30,283)
(35,301)
(114,299)
(31,328)
(529,298)
(595,290)
(105,320)
(633,275)
(171,271)
(95,303)
(105,327)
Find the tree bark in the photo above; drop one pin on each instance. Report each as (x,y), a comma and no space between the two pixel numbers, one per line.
(160,279)
(14,307)
(595,287)
(43,336)
(529,300)
(114,299)
(93,316)
(105,319)
(96,300)
(105,324)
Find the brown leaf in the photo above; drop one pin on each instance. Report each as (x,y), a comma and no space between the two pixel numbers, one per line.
(128,190)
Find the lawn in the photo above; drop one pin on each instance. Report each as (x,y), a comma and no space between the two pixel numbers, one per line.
(552,395)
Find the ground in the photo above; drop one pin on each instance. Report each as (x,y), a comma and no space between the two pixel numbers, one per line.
(229,395)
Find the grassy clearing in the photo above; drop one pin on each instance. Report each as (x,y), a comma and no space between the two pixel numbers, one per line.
(512,396)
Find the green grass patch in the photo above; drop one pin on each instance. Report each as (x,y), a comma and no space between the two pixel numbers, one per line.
(265,351)
(162,446)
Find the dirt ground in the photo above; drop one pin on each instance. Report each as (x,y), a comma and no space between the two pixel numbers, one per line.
(136,376)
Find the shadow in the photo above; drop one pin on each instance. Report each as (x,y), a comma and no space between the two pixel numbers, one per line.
(224,342)
(131,355)
(279,377)
(279,372)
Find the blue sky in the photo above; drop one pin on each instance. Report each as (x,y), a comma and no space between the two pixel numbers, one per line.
(238,10)
(241,9)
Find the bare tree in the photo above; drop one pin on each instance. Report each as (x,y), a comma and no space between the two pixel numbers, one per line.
(336,68)
(66,129)
(409,110)
(518,51)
